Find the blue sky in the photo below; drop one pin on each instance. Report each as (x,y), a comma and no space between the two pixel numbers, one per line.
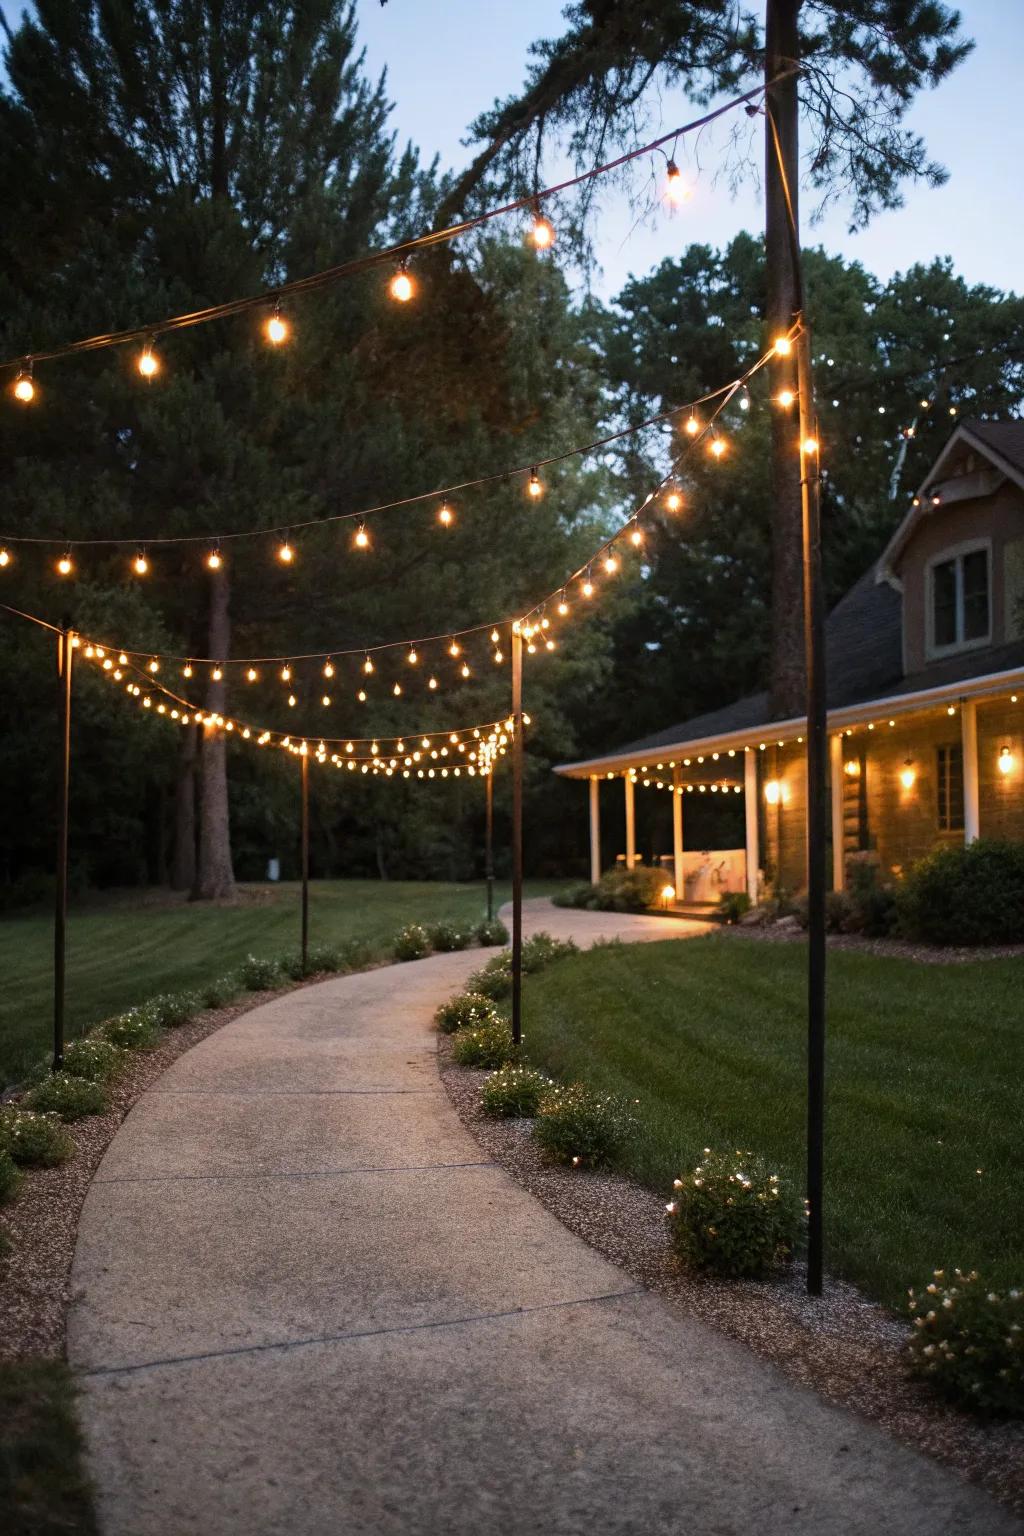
(448,59)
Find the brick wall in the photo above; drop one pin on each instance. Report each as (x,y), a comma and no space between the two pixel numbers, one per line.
(1001,795)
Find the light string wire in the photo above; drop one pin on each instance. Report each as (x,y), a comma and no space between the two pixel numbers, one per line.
(389,746)
(723,395)
(390,256)
(215,540)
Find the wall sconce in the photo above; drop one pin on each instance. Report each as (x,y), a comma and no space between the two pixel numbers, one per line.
(773,792)
(908,774)
(852,768)
(1005,760)
(668,894)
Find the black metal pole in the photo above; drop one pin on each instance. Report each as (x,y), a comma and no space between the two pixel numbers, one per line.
(517,836)
(817,811)
(305,860)
(489,848)
(65,652)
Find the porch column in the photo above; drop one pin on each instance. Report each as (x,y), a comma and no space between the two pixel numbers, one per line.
(836,786)
(630,821)
(677,835)
(595,829)
(969,737)
(752,811)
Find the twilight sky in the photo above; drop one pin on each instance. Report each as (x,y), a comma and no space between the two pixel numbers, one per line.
(448,59)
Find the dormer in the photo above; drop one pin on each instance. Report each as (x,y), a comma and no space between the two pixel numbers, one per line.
(958,556)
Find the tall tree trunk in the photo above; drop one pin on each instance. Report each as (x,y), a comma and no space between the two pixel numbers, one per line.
(215,876)
(183,862)
(788,672)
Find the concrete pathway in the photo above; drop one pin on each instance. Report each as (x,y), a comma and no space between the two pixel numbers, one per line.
(306,1303)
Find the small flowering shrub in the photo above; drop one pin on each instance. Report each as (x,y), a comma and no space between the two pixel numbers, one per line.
(10,1177)
(134,1030)
(582,1128)
(72,1098)
(220,991)
(514,1091)
(732,1216)
(733,905)
(169,1010)
(96,1060)
(542,949)
(321,960)
(464,1011)
(968,1342)
(494,979)
(33,1140)
(484,1045)
(490,932)
(445,937)
(411,942)
(258,974)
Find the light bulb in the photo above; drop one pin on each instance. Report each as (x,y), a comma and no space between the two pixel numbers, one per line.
(716,447)
(809,446)
(292,701)
(495,637)
(692,425)
(611,564)
(328,669)
(412,657)
(286,674)
(542,233)
(402,286)
(5,557)
(149,363)
(464,669)
(216,674)
(453,649)
(498,657)
(772,791)
(361,696)
(908,774)
(325,700)
(367,666)
(186,670)
(446,515)
(673,501)
(675,187)
(251,675)
(24,386)
(534,487)
(1005,760)
(285,553)
(563,606)
(154,665)
(588,588)
(783,346)
(214,560)
(277,328)
(785,397)
(432,683)
(362,539)
(636,537)
(397,690)
(65,564)
(140,565)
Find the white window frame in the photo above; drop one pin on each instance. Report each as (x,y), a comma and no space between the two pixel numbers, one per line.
(956,553)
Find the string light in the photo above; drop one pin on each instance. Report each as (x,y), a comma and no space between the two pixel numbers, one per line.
(65,565)
(673,501)
(453,648)
(445,515)
(636,538)
(140,565)
(534,485)
(783,346)
(277,328)
(362,538)
(24,385)
(186,670)
(675,187)
(149,363)
(432,683)
(251,675)
(542,232)
(286,674)
(717,446)
(217,674)
(785,398)
(214,560)
(692,424)
(285,552)
(328,668)
(325,700)
(413,656)
(563,606)
(809,447)
(588,585)
(5,557)
(402,286)
(611,564)
(367,665)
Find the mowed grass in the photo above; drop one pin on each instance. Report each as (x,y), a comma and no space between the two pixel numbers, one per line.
(125,950)
(925,1111)
(44,1490)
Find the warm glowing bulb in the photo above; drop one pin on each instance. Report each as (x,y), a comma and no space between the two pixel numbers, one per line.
(446,515)
(611,565)
(785,397)
(292,701)
(328,669)
(809,446)
(286,674)
(154,665)
(251,675)
(5,557)
(325,700)
(432,683)
(636,537)
(588,588)
(542,234)
(717,447)
(149,363)
(286,553)
(216,674)
(453,649)
(464,669)
(412,657)
(402,286)
(140,565)
(367,666)
(65,565)
(361,696)
(1005,760)
(668,891)
(535,488)
(563,607)
(214,560)
(24,387)
(692,425)
(673,501)
(772,791)
(675,187)
(362,537)
(783,346)
(186,670)
(276,329)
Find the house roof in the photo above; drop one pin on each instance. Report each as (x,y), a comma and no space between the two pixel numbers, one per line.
(863,643)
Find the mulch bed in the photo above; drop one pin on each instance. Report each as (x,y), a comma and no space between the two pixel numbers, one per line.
(843,1346)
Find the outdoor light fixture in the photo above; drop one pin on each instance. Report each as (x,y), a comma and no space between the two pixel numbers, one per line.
(783,346)
(785,398)
(276,328)
(445,515)
(5,557)
(24,386)
(675,188)
(149,363)
(852,768)
(908,774)
(1005,760)
(542,234)
(534,486)
(674,500)
(402,286)
(773,792)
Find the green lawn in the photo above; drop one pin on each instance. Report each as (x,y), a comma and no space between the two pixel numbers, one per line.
(125,949)
(44,1490)
(925,1086)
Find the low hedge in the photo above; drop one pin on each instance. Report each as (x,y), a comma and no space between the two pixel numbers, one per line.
(967,895)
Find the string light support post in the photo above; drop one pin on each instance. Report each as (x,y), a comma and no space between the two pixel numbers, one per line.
(489,839)
(65,655)
(517,835)
(304,781)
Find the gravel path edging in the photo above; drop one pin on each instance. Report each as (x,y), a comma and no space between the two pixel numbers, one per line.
(843,1346)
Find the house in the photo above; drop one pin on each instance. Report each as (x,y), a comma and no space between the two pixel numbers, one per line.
(925,662)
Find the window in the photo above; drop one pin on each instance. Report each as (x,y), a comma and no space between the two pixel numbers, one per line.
(950,779)
(960,608)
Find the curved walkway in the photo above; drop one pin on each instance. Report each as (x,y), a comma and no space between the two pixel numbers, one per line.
(306,1303)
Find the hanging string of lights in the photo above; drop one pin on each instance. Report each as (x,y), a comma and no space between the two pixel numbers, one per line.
(535,623)
(213,544)
(402,284)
